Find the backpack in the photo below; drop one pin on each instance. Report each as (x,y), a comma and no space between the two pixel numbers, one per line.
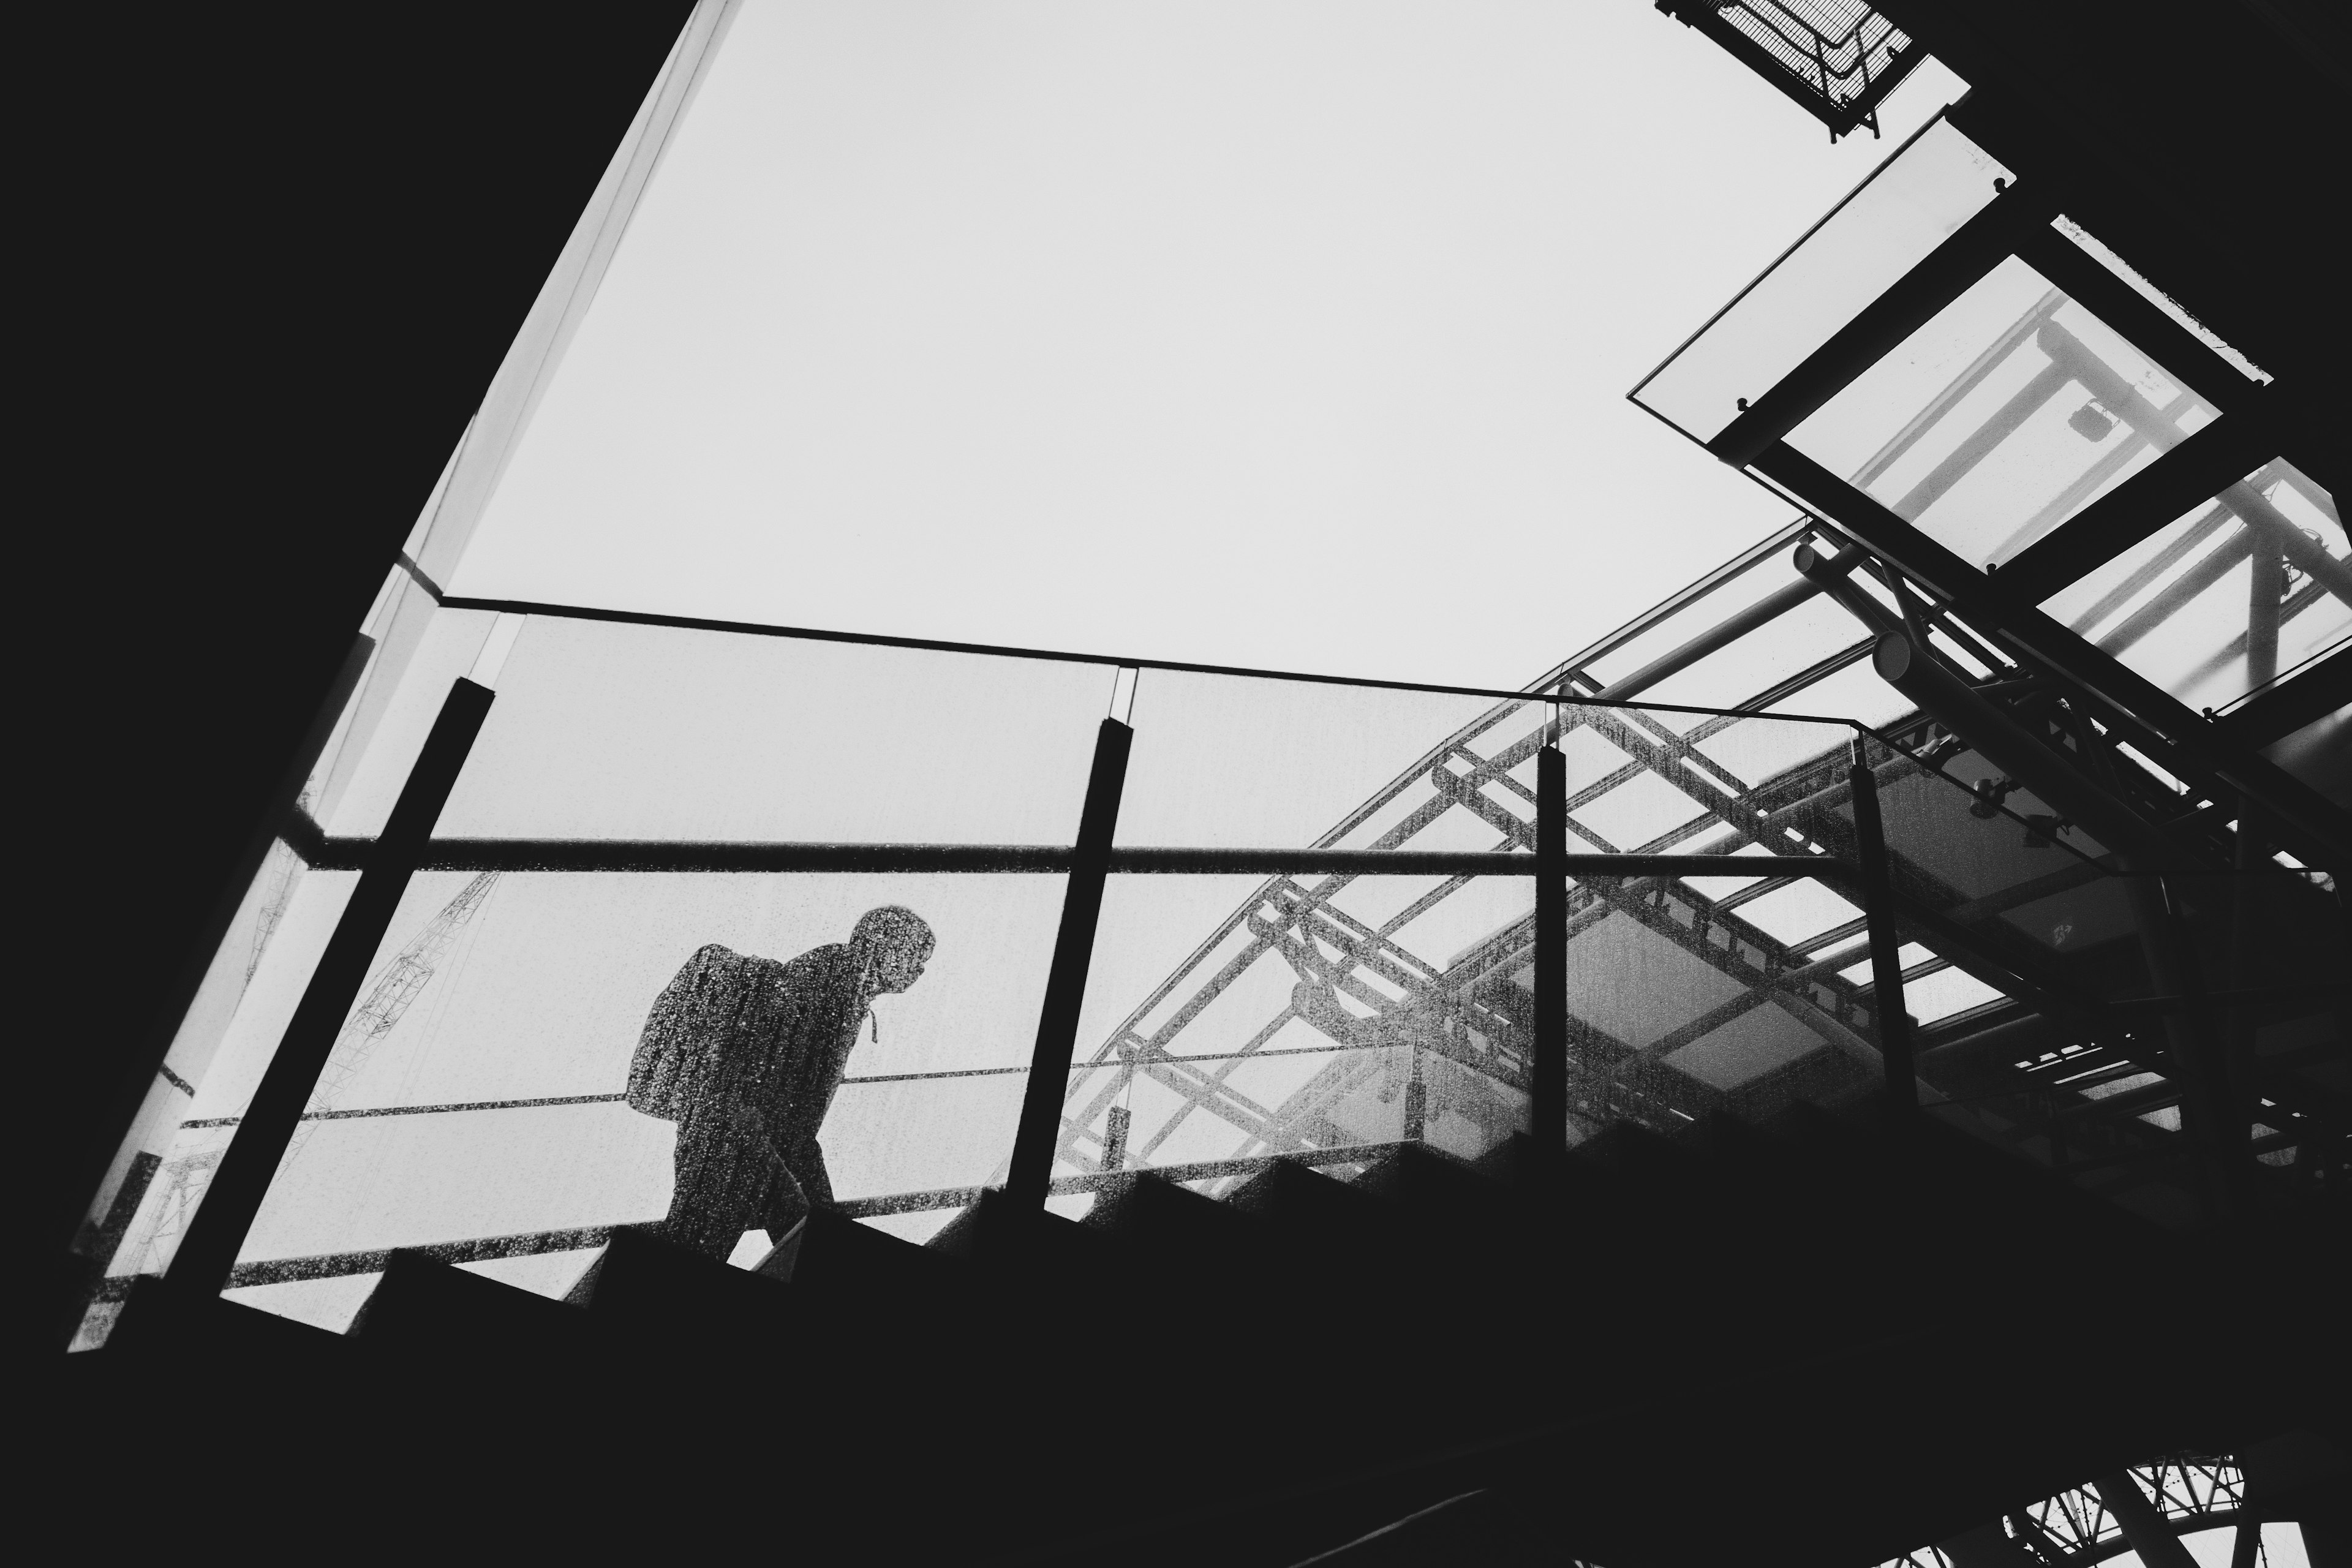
(684,1033)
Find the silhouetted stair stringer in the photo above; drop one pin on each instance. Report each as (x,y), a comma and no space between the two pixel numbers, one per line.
(1761,1317)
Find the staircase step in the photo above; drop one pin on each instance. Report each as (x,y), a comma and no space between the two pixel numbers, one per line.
(1006,1241)
(831,1255)
(658,1296)
(157,1320)
(1195,1253)
(1314,1210)
(1148,1210)
(1427,1181)
(1632,1153)
(427,1308)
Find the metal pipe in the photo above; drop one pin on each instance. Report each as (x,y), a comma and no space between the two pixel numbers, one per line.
(2127,703)
(2302,599)
(2015,749)
(1762,613)
(2155,566)
(2144,417)
(2176,595)
(2091,481)
(2298,546)
(1895,1046)
(2021,406)
(1990,731)
(2265,587)
(1831,578)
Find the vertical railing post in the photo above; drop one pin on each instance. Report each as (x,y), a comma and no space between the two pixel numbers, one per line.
(208,1248)
(1548,1101)
(1030,1174)
(1885,948)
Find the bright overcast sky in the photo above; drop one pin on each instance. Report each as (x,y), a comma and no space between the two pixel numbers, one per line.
(1292,333)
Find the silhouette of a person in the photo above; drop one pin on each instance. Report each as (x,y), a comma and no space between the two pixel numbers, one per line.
(745,1054)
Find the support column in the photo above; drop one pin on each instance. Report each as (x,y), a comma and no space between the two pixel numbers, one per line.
(2248,858)
(1547,1107)
(2143,1526)
(2265,588)
(1895,1045)
(1030,1175)
(2197,1057)
(213,1239)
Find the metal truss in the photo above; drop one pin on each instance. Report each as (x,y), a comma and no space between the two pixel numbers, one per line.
(1836,59)
(2065,1067)
(2171,491)
(1390,1015)
(2184,1493)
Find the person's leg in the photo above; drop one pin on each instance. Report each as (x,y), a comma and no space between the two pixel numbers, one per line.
(719,1192)
(787,1203)
(815,1180)
(802,1186)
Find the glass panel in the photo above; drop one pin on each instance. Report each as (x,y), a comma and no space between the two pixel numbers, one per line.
(215,1061)
(2182,606)
(1724,993)
(477,1096)
(1230,1019)
(1914,201)
(420,649)
(1235,760)
(635,732)
(2007,872)
(2011,411)
(1707,994)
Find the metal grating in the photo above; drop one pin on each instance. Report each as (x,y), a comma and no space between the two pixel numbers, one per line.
(1837,57)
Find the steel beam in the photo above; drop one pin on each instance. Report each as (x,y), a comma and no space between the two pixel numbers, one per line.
(2147,1530)
(1761,613)
(2320,831)
(1975,248)
(2138,319)
(2319,690)
(2200,467)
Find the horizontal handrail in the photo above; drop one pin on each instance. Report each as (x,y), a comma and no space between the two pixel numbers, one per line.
(579,854)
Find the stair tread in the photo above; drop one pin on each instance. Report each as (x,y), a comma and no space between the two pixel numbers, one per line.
(425,1305)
